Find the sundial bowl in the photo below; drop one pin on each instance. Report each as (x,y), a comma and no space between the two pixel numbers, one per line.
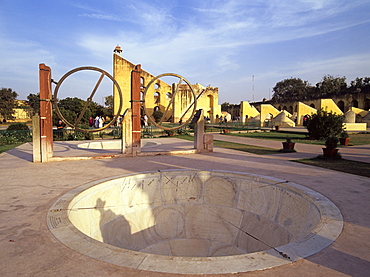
(195,222)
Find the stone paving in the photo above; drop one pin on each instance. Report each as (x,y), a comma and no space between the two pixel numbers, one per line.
(28,191)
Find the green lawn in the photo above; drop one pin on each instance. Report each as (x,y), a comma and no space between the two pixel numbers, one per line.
(355,139)
(6,147)
(342,165)
(246,148)
(238,146)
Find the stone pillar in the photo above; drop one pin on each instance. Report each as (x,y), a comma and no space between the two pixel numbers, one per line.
(135,107)
(36,139)
(46,124)
(208,142)
(198,121)
(127,133)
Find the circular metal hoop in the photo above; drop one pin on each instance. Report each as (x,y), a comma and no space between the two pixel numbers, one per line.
(191,107)
(89,99)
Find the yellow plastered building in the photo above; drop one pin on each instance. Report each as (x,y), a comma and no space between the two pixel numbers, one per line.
(159,94)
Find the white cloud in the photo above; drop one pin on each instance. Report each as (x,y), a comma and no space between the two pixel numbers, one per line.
(19,65)
(102,16)
(206,42)
(350,66)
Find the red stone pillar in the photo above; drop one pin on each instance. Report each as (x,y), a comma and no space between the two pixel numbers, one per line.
(135,107)
(46,124)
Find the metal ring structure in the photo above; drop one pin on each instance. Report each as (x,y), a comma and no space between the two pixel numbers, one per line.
(192,106)
(103,73)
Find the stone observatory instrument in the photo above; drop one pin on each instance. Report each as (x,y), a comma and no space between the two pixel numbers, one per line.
(89,99)
(179,111)
(188,111)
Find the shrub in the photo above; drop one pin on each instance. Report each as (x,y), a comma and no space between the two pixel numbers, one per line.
(331,142)
(170,132)
(15,133)
(157,115)
(344,134)
(323,125)
(83,135)
(183,131)
(17,126)
(69,134)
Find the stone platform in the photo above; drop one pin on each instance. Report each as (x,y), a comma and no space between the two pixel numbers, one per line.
(28,191)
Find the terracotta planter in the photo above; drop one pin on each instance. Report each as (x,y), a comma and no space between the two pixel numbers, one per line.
(344,141)
(330,152)
(288,145)
(277,128)
(226,131)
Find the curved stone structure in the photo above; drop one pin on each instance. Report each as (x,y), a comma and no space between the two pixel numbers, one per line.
(195,221)
(112,144)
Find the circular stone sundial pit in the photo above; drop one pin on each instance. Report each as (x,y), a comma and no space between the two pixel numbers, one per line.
(195,221)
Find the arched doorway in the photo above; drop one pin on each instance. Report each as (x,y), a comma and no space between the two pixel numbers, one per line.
(367,104)
(341,105)
(355,103)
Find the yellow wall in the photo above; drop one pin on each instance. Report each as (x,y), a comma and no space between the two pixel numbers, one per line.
(303,110)
(267,109)
(159,94)
(122,73)
(361,112)
(354,126)
(21,114)
(247,110)
(330,106)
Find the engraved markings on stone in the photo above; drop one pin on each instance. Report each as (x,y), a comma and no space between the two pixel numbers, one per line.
(60,202)
(54,221)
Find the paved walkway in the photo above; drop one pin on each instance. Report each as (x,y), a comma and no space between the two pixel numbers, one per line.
(27,247)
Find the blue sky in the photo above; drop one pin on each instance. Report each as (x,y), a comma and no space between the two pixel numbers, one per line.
(217,43)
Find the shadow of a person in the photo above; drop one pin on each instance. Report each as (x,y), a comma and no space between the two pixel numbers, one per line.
(115,229)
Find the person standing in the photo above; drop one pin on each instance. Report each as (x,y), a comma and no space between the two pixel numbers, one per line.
(100,122)
(91,122)
(60,125)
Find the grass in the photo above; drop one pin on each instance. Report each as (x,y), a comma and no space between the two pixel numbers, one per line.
(342,165)
(246,148)
(355,139)
(238,146)
(359,139)
(6,147)
(302,138)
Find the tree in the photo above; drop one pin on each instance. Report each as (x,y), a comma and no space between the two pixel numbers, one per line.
(360,85)
(34,102)
(293,89)
(322,125)
(7,102)
(157,115)
(224,106)
(109,103)
(71,108)
(330,85)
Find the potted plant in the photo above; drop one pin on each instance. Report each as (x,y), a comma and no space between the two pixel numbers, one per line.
(277,127)
(170,133)
(344,138)
(288,145)
(331,144)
